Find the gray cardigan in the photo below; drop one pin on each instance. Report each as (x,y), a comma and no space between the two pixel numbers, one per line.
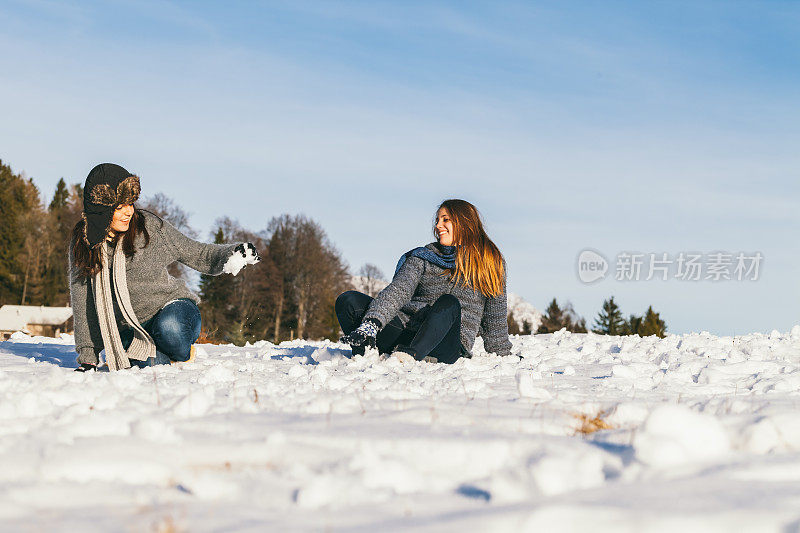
(149,284)
(419,283)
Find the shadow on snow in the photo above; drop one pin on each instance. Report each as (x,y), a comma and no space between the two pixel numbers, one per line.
(63,355)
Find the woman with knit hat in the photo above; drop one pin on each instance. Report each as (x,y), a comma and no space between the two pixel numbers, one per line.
(442,295)
(123,298)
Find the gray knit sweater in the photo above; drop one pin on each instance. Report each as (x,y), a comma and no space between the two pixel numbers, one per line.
(419,283)
(149,284)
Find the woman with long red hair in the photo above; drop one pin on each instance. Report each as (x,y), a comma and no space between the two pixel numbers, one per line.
(441,296)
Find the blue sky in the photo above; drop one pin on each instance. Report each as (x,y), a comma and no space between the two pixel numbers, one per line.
(617,126)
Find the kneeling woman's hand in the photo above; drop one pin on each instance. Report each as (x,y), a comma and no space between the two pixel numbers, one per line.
(248,251)
(243,254)
(364,335)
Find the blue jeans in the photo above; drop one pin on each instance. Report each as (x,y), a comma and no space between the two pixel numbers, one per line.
(174,329)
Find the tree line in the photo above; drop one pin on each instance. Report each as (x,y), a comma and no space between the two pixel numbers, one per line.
(609,321)
(33,237)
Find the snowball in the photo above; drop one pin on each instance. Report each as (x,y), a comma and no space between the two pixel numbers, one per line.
(236,262)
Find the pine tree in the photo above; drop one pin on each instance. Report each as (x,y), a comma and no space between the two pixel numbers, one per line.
(575,323)
(13,205)
(609,320)
(63,213)
(553,319)
(61,196)
(24,244)
(632,325)
(557,318)
(652,324)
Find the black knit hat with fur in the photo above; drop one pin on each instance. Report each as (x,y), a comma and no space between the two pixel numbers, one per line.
(107,187)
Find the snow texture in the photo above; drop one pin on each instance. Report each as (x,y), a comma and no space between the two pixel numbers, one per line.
(237,261)
(704,436)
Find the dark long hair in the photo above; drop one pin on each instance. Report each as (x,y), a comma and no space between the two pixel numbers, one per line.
(88,261)
(479,263)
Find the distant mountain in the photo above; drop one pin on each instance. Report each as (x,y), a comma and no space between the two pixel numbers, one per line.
(524,311)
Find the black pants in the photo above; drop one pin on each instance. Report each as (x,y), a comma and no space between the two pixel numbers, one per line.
(433,331)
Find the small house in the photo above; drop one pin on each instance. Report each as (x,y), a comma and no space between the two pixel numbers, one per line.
(35,320)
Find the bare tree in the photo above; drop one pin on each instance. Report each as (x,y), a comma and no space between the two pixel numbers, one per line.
(372,279)
(313,274)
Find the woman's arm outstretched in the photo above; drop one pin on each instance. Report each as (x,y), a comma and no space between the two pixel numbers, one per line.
(203,257)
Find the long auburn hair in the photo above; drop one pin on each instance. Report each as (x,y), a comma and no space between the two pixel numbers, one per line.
(479,263)
(88,261)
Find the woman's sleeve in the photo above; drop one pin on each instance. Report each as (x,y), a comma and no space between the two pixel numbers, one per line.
(495,324)
(88,340)
(203,257)
(398,293)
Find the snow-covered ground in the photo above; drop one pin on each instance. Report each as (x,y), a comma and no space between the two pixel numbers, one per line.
(705,436)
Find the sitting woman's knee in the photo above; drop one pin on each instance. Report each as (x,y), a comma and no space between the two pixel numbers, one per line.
(348,299)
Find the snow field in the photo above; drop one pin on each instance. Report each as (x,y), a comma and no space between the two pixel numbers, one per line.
(705,436)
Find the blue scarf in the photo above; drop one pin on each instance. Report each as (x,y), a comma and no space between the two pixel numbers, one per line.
(446,260)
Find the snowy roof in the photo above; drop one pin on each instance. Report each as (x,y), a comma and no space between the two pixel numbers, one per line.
(17,317)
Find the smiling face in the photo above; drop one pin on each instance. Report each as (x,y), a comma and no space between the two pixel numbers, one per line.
(122,219)
(444,228)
